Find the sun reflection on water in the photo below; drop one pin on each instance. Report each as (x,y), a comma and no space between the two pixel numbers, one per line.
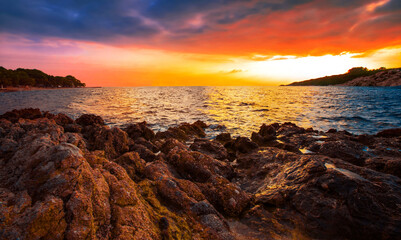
(238,110)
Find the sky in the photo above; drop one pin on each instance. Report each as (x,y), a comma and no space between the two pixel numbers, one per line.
(199,42)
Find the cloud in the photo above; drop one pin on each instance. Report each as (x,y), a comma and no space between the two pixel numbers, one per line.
(235,71)
(247,27)
(91,20)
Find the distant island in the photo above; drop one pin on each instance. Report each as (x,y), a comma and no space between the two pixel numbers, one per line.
(358,76)
(25,78)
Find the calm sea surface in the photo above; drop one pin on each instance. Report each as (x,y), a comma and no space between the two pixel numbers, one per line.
(240,110)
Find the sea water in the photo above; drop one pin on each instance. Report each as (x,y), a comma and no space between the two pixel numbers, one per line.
(237,110)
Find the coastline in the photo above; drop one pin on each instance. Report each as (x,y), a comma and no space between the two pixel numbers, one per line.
(18,89)
(87,179)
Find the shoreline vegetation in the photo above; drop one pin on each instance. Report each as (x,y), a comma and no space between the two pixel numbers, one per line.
(358,76)
(22,79)
(62,178)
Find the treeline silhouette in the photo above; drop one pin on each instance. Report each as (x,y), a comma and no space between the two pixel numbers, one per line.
(339,79)
(35,78)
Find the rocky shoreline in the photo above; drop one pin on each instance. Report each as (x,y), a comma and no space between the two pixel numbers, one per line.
(80,179)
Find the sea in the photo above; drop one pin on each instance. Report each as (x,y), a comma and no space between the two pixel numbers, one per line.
(237,110)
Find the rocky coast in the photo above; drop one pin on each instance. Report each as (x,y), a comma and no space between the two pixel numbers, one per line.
(80,179)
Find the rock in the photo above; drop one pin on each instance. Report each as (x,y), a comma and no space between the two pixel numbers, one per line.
(170,144)
(387,165)
(242,144)
(26,113)
(89,119)
(346,150)
(113,141)
(140,130)
(395,132)
(268,130)
(61,180)
(184,131)
(227,198)
(63,120)
(133,164)
(211,148)
(223,137)
(144,152)
(75,128)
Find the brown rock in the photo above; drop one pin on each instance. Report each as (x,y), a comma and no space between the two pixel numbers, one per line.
(89,119)
(140,130)
(211,148)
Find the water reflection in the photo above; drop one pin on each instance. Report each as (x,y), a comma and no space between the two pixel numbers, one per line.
(239,109)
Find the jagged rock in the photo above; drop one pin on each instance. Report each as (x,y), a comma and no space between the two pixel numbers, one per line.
(242,145)
(396,132)
(26,113)
(144,152)
(89,119)
(211,148)
(170,144)
(184,131)
(223,137)
(96,182)
(140,130)
(113,141)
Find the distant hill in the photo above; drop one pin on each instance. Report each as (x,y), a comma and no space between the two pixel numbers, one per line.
(389,78)
(352,74)
(35,78)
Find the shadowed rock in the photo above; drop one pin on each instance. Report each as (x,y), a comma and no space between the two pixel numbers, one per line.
(84,180)
(89,119)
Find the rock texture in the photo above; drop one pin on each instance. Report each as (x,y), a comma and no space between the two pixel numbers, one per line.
(66,179)
(389,78)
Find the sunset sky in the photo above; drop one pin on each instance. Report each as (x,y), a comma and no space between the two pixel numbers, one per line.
(199,42)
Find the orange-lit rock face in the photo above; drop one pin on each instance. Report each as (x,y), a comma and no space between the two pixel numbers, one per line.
(57,184)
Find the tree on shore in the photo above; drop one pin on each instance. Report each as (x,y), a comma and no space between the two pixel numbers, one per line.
(35,78)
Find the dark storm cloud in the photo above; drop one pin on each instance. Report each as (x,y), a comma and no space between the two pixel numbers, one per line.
(75,19)
(104,19)
(391,6)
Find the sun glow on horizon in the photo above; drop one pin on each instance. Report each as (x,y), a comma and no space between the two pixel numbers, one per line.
(103,65)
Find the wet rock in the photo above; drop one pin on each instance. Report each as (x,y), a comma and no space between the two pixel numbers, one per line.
(387,165)
(223,137)
(203,208)
(140,130)
(268,130)
(242,144)
(289,129)
(26,113)
(113,141)
(74,128)
(133,164)
(227,198)
(148,144)
(211,148)
(346,150)
(395,132)
(144,152)
(196,166)
(89,119)
(170,144)
(62,119)
(99,183)
(334,199)
(184,131)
